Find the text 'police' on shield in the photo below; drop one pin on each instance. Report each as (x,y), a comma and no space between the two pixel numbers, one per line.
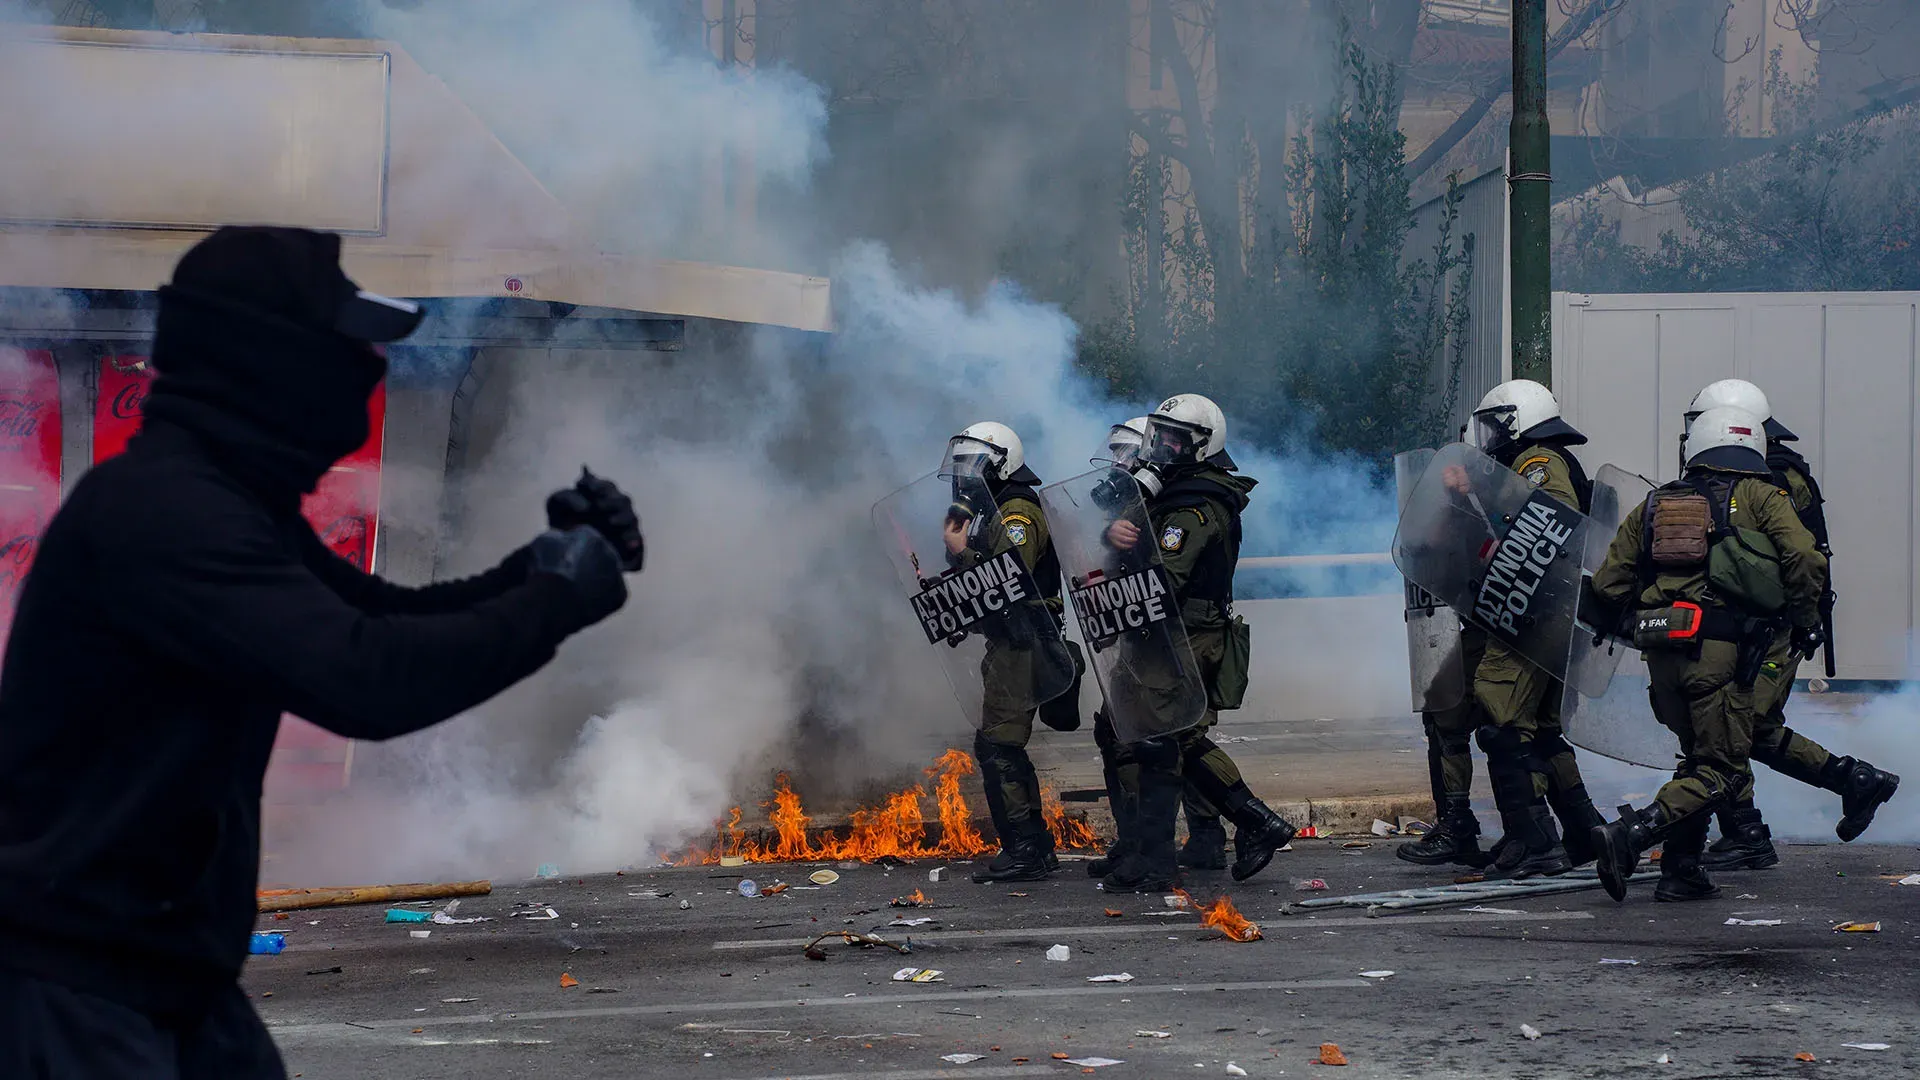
(1538,536)
(1108,607)
(957,600)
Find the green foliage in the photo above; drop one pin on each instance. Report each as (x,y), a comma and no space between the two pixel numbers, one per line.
(1833,207)
(1325,333)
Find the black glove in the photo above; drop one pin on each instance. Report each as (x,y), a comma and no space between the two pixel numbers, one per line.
(600,505)
(583,559)
(1808,639)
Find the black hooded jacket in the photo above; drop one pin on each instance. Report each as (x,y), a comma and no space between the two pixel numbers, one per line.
(178,606)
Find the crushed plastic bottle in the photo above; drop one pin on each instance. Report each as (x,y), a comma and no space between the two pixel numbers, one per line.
(748,888)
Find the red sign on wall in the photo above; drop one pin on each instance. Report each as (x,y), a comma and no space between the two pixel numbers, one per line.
(344,509)
(29,465)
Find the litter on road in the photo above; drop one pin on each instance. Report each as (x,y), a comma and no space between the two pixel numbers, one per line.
(1910,879)
(403,915)
(1059,952)
(1235,1070)
(1123,977)
(539,914)
(1153,1034)
(567,981)
(1330,1055)
(962,1059)
(1529,1032)
(912,922)
(814,952)
(918,975)
(1731,921)
(1858,927)
(267,944)
(1868,1046)
(1610,960)
(420,934)
(1376,974)
(1092,1062)
(823,877)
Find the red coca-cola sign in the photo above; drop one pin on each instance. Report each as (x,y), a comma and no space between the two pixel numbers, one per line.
(29,465)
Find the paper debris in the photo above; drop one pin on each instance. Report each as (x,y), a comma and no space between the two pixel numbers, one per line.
(539,914)
(1747,896)
(1858,927)
(1310,885)
(1804,1056)
(445,919)
(1494,910)
(1384,828)
(1123,977)
(1910,879)
(918,975)
(911,922)
(1163,914)
(1529,1032)
(1113,913)
(1376,974)
(684,906)
(1061,952)
(457,1001)
(1175,901)
(823,877)
(1153,1034)
(1867,1046)
(1330,1055)
(568,982)
(1610,960)
(934,874)
(1663,1059)
(1235,1070)
(419,933)
(1093,1062)
(1754,922)
(648,894)
(961,1059)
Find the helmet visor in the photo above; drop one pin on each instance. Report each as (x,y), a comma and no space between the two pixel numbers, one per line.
(1123,446)
(1492,428)
(970,457)
(1172,442)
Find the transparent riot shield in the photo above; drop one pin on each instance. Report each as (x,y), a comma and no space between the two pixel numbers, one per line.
(1123,602)
(1435,661)
(979,607)
(1597,711)
(1502,553)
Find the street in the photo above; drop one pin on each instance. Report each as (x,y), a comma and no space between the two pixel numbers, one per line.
(720,987)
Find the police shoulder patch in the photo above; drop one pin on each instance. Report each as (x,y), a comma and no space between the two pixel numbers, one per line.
(1017,528)
(1535,469)
(1172,537)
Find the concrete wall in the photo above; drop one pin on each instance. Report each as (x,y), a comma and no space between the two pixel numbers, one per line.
(1842,371)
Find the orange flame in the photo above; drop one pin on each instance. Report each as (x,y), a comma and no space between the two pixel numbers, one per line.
(896,828)
(1226,918)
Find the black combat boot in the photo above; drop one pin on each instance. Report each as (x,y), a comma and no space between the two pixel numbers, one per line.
(1862,789)
(1025,858)
(1745,842)
(1258,832)
(1206,846)
(1578,818)
(1617,845)
(1531,846)
(1122,805)
(1681,876)
(1152,865)
(1455,838)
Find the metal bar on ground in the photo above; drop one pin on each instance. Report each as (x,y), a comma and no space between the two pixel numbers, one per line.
(1445,895)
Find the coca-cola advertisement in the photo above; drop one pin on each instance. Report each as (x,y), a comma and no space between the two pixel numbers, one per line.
(29,464)
(344,509)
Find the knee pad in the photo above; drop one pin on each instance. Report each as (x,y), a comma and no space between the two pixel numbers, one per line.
(1454,743)
(1502,743)
(1160,753)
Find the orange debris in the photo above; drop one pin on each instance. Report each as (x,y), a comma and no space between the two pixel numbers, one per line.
(1330,1055)
(568,981)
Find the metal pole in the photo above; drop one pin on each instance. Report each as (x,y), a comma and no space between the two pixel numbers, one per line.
(1530,197)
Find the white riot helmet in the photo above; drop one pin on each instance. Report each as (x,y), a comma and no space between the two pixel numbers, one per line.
(1740,394)
(1518,409)
(1124,441)
(1185,430)
(988,450)
(1728,438)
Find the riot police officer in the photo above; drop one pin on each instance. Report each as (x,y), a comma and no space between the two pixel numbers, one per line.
(1529,762)
(1745,841)
(1194,502)
(994,453)
(1710,571)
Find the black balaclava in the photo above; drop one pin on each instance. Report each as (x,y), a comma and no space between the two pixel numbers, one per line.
(253,356)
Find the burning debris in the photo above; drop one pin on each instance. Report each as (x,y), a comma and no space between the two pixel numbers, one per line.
(895,829)
(1221,915)
(915,899)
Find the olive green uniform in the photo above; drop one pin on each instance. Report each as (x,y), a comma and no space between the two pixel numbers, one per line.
(1696,695)
(1776,745)
(1007,675)
(1515,694)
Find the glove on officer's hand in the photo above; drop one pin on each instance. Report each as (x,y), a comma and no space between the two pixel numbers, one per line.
(1808,639)
(583,559)
(599,504)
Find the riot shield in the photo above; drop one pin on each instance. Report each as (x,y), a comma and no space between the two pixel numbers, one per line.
(1435,661)
(1598,712)
(1123,602)
(1502,553)
(980,609)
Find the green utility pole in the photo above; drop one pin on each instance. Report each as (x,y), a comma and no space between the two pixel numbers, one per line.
(1529,206)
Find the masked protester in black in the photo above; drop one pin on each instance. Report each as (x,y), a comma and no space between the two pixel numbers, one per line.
(178,606)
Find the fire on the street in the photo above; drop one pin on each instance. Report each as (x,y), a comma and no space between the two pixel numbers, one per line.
(896,828)
(1221,915)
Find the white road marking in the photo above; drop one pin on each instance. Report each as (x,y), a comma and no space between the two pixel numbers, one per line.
(1275,925)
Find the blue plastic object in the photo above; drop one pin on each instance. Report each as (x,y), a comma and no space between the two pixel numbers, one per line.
(267,944)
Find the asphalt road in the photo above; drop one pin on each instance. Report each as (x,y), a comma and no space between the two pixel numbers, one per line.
(721,989)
